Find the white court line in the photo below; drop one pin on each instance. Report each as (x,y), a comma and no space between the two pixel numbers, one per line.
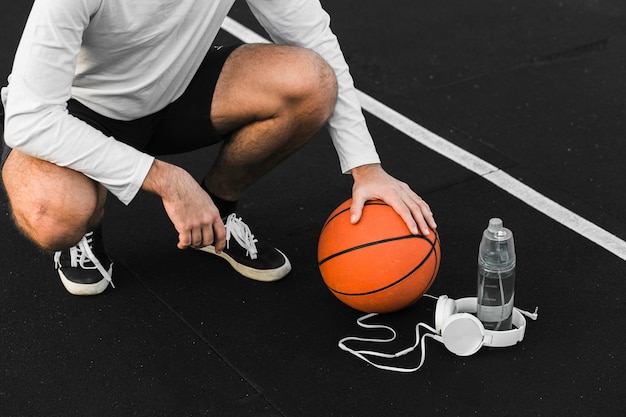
(241,32)
(469,161)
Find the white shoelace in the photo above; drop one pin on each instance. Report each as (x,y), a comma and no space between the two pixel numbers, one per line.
(236,228)
(82,255)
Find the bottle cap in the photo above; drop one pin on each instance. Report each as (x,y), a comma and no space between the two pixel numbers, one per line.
(495,225)
(497,247)
(497,231)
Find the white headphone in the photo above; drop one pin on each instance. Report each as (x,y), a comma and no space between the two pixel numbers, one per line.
(455,326)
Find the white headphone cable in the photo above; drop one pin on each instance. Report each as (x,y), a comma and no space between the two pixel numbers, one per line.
(362,354)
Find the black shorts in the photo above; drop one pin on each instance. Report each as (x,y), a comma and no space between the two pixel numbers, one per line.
(182,126)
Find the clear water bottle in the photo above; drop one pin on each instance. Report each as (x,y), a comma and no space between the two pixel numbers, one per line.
(496,277)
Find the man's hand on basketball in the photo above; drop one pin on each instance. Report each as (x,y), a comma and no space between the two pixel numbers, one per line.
(189,207)
(371,182)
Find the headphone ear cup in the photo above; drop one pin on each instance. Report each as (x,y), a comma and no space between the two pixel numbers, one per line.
(463,334)
(445,308)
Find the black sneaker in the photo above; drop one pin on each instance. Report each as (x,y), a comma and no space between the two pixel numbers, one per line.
(85,269)
(251,258)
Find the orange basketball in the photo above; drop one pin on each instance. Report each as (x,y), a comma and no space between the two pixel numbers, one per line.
(376,265)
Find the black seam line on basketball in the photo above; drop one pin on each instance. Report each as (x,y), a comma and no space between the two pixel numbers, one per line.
(367,203)
(432,249)
(436,271)
(365,245)
(430,281)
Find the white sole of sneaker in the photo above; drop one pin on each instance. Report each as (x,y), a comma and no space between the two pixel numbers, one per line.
(85,289)
(255,274)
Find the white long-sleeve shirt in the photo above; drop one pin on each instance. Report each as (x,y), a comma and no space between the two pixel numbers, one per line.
(126,59)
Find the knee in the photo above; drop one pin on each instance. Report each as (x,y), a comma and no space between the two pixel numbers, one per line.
(312,83)
(53,229)
(54,211)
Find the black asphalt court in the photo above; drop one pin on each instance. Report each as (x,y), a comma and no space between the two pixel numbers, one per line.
(534,87)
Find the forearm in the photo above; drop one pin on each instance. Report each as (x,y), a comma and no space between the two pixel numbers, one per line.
(37,119)
(362,172)
(162,179)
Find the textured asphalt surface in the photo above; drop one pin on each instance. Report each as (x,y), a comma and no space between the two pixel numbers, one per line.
(535,87)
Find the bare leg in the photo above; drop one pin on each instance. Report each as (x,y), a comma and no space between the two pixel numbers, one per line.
(52,205)
(271,99)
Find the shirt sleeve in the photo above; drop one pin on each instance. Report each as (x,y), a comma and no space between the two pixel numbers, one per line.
(37,122)
(304,23)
